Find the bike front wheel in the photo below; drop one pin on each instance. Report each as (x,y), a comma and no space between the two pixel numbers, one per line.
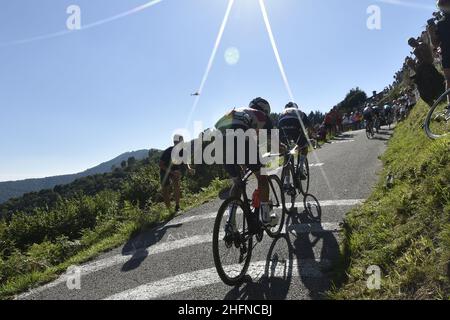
(276,198)
(232,241)
(437,123)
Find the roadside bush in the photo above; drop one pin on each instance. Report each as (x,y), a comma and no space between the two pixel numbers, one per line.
(142,186)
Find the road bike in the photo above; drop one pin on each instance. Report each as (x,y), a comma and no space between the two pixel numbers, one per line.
(437,122)
(369,130)
(295,165)
(236,224)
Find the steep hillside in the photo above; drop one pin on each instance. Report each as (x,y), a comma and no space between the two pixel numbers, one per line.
(14,189)
(43,233)
(403,229)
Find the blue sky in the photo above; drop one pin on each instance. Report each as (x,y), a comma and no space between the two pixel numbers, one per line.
(70,102)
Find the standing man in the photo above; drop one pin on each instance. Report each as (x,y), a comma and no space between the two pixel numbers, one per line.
(429,81)
(170,175)
(440,37)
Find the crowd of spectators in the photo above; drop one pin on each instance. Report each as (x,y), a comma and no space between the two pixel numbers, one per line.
(419,78)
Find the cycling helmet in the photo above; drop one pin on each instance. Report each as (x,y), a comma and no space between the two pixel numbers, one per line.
(291,105)
(444,5)
(261,105)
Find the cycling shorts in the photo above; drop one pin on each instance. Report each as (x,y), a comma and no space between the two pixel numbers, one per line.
(249,160)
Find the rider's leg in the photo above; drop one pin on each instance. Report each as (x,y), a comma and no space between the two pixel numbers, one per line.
(165,188)
(263,186)
(268,216)
(166,196)
(176,189)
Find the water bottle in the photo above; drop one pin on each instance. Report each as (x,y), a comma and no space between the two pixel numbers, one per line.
(256,200)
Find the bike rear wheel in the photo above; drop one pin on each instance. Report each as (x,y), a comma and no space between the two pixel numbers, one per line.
(437,123)
(232,242)
(369,133)
(289,189)
(304,184)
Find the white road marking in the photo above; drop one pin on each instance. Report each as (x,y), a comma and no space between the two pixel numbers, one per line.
(316,165)
(278,170)
(314,227)
(343,141)
(283,269)
(101,264)
(212,215)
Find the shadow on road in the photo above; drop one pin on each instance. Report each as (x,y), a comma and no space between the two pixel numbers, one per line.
(304,245)
(137,247)
(344,136)
(292,250)
(277,277)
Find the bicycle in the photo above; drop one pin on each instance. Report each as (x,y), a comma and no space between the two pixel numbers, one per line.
(377,124)
(369,130)
(290,176)
(241,224)
(437,122)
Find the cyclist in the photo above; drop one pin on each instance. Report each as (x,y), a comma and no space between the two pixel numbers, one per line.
(257,117)
(294,125)
(377,117)
(388,114)
(368,117)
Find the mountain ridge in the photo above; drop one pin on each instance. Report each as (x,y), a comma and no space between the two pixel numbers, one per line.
(14,189)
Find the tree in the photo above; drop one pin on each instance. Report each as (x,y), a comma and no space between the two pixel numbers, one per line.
(354,99)
(123,164)
(131,161)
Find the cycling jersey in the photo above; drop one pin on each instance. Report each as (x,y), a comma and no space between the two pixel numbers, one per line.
(244,118)
(368,114)
(291,128)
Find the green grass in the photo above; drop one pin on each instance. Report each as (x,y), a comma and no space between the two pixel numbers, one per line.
(139,222)
(405,230)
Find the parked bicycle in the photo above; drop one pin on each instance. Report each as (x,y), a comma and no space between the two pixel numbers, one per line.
(236,224)
(437,122)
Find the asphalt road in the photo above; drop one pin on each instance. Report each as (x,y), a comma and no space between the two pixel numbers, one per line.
(174,261)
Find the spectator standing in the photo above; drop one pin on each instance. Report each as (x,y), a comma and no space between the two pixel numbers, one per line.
(170,175)
(328,123)
(440,37)
(428,80)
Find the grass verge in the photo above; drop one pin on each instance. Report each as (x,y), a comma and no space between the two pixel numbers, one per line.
(403,229)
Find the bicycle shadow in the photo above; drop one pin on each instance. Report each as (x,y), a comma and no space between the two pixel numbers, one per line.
(315,252)
(380,138)
(296,252)
(138,246)
(274,279)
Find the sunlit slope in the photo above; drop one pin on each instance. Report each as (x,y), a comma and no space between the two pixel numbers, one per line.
(403,229)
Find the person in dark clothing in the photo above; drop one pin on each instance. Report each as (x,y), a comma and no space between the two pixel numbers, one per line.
(429,81)
(440,37)
(170,175)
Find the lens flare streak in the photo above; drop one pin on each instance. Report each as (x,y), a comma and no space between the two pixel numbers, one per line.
(85,27)
(211,60)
